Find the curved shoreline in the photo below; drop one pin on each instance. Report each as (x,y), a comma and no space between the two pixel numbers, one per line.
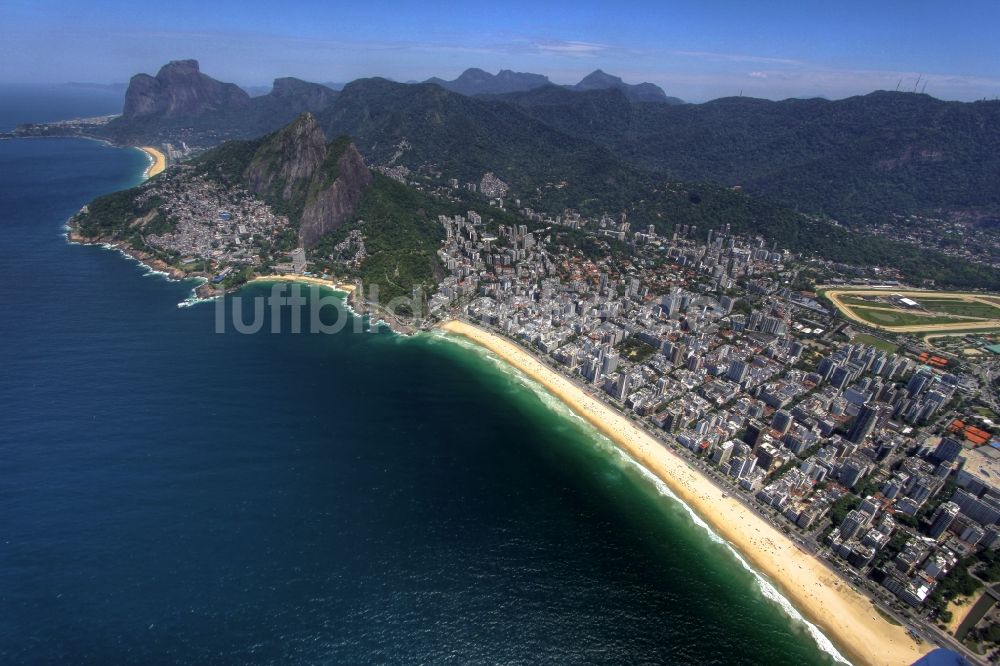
(822,597)
(157,161)
(332,284)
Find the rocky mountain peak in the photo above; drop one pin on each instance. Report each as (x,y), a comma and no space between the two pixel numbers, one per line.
(642,92)
(179,69)
(475,81)
(294,94)
(334,202)
(287,161)
(320,182)
(179,89)
(601,78)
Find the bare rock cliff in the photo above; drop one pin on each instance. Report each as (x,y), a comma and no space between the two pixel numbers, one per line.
(180,90)
(331,206)
(288,162)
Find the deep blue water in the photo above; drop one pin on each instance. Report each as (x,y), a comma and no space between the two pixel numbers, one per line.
(173,495)
(26,103)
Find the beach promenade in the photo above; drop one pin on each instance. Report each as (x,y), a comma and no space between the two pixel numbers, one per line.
(842,614)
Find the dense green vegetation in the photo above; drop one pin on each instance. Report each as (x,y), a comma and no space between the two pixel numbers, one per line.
(989,566)
(878,343)
(594,152)
(989,634)
(107,216)
(859,159)
(402,235)
(465,137)
(842,507)
(958,583)
(228,162)
(636,350)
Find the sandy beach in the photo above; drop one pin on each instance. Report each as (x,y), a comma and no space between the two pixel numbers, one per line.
(159,161)
(846,617)
(332,284)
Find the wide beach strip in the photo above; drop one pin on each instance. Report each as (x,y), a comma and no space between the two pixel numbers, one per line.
(844,615)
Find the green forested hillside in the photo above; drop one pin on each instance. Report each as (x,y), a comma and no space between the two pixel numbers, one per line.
(710,206)
(402,236)
(465,137)
(858,159)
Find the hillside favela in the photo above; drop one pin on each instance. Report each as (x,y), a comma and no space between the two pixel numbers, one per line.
(577,333)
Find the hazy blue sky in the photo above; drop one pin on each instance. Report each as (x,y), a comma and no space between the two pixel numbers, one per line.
(696,50)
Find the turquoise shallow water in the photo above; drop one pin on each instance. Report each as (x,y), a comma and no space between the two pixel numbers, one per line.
(169,494)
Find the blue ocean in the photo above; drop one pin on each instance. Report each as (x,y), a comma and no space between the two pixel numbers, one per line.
(169,494)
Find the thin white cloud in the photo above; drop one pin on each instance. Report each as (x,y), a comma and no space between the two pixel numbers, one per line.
(736,57)
(572,48)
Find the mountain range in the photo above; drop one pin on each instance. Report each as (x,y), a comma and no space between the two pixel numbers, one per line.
(641,92)
(475,81)
(326,190)
(257,91)
(323,187)
(858,159)
(181,103)
(593,147)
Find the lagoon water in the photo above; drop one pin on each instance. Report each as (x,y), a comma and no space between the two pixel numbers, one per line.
(173,495)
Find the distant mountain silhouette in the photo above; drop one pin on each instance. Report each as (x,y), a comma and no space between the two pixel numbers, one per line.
(640,92)
(179,89)
(475,81)
(859,159)
(182,103)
